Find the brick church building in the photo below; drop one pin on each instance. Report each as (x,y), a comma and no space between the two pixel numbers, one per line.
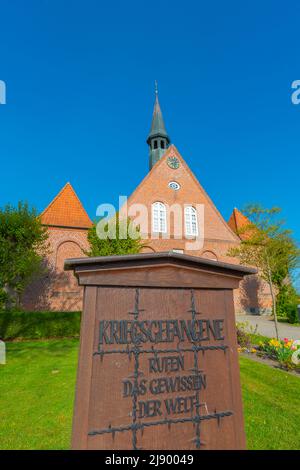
(170,184)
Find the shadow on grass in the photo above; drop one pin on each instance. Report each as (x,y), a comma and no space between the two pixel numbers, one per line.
(55,347)
(16,325)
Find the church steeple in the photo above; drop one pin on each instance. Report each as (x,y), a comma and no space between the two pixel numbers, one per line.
(158,139)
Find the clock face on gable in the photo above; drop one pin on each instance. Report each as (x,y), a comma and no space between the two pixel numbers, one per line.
(173,162)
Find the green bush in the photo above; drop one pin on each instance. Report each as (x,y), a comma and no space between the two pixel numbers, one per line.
(287,301)
(19,325)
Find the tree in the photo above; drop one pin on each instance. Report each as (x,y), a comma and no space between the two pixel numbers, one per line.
(23,244)
(268,246)
(116,238)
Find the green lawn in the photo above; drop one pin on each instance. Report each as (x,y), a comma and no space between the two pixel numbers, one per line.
(36,394)
(271,406)
(37,391)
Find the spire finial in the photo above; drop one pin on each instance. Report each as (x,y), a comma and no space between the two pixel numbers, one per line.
(156,87)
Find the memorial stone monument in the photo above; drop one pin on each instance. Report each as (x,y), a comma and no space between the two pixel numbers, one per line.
(158,362)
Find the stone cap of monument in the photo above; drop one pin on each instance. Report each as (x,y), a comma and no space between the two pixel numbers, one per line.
(164,269)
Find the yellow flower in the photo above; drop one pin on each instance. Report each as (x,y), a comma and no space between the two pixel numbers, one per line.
(253,350)
(273,342)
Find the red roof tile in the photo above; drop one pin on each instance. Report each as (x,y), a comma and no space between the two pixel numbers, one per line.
(237,222)
(66,210)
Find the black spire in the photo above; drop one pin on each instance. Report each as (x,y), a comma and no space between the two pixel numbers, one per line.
(158,139)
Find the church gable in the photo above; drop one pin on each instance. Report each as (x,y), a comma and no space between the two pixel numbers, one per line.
(66,210)
(172,168)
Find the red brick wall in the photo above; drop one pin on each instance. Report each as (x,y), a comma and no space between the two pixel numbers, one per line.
(253,295)
(58,289)
(218,237)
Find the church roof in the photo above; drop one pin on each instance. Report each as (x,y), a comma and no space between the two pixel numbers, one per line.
(66,210)
(157,125)
(237,222)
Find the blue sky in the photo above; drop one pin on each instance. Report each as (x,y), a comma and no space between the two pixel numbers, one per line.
(80,92)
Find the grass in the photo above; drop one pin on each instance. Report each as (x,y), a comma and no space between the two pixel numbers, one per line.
(271,401)
(37,392)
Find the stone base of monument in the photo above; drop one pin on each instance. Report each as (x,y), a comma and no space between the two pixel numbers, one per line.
(158,363)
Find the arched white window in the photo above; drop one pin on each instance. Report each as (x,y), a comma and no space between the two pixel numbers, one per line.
(191,222)
(159,217)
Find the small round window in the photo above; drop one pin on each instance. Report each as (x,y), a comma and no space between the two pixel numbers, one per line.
(174,185)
